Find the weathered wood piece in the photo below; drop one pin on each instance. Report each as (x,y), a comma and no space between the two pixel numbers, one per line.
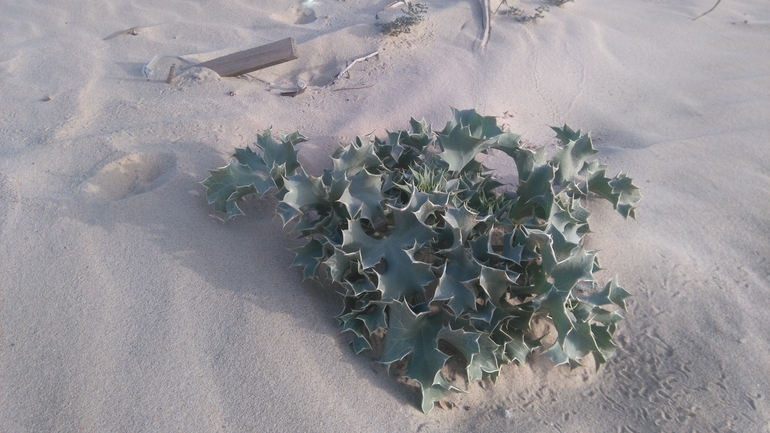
(253,59)
(485,22)
(171,74)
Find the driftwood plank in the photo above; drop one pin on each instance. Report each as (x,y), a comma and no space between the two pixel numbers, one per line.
(253,59)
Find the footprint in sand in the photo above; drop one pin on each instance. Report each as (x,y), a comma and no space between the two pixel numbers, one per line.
(135,174)
(299,15)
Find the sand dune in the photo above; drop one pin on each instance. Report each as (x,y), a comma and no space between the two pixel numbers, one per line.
(126,304)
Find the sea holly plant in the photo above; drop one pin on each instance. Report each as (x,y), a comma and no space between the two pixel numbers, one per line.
(437,258)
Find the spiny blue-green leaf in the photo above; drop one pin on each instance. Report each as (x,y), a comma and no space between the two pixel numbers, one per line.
(348,318)
(555,305)
(458,269)
(534,195)
(579,343)
(415,335)
(480,126)
(578,213)
(309,257)
(477,349)
(461,220)
(566,134)
(439,391)
(278,159)
(460,147)
(403,277)
(584,312)
(578,267)
(620,190)
(422,205)
(276,153)
(466,343)
(351,320)
(579,339)
(374,318)
(466,135)
(332,227)
(303,191)
(339,263)
(496,283)
(406,149)
(570,219)
(293,138)
(628,195)
(420,128)
(357,156)
(314,221)
(607,348)
(508,143)
(570,159)
(511,251)
(508,328)
(240,192)
(556,354)
(407,230)
(351,323)
(537,245)
(562,247)
(226,186)
(478,192)
(480,248)
(612,294)
(335,183)
(485,362)
(485,313)
(421,137)
(359,285)
(518,317)
(362,197)
(286,212)
(515,347)
(391,153)
(360,343)
(526,160)
(248,157)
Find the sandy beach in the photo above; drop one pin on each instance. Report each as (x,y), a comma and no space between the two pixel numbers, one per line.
(127,305)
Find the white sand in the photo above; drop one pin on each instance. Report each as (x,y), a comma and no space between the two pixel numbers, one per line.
(126,306)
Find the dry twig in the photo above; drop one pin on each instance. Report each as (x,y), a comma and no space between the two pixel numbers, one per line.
(353,88)
(350,65)
(704,13)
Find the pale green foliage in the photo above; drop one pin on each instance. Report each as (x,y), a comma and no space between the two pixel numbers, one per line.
(412,15)
(519,14)
(429,247)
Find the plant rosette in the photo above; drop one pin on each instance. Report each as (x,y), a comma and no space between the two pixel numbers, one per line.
(437,259)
